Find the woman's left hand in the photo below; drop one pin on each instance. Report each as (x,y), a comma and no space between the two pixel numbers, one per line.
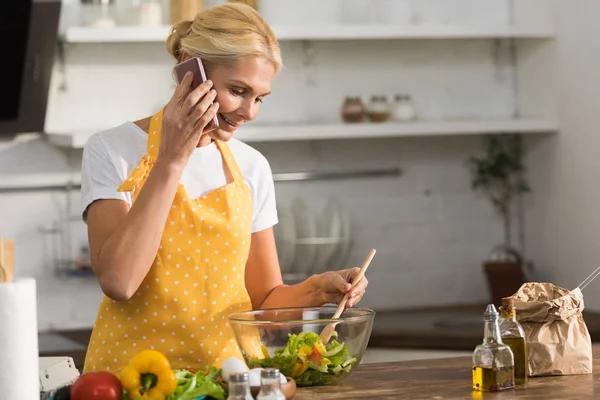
(334,285)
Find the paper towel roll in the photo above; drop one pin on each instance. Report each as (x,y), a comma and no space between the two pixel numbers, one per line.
(19,357)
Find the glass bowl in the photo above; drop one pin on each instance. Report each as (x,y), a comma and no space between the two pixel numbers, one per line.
(288,339)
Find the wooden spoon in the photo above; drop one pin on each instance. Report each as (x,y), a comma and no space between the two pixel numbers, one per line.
(329,329)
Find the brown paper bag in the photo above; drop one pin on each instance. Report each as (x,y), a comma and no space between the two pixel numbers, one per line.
(558,341)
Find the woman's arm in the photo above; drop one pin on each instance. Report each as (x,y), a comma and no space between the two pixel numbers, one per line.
(123,241)
(266,289)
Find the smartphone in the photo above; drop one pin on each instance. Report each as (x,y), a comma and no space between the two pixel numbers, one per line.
(195,66)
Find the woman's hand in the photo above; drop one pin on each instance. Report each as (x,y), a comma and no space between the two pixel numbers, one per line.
(334,285)
(184,120)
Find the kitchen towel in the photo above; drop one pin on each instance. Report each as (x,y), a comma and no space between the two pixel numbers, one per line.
(19,358)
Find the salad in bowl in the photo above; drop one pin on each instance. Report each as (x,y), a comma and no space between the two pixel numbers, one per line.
(288,339)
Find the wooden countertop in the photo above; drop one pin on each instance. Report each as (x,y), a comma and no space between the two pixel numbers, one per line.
(449,379)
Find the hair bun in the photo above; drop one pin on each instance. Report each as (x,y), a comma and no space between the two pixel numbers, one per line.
(178,32)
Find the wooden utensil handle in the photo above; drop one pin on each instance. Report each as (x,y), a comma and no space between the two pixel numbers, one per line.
(330,328)
(359,277)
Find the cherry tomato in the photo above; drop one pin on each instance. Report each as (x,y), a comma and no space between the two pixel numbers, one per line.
(97,386)
(315,357)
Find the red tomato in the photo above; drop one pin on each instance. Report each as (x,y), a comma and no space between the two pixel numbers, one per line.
(97,386)
(315,357)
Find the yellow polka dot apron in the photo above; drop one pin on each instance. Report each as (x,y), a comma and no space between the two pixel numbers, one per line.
(196,281)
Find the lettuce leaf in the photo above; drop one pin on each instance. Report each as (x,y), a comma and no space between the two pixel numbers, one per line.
(192,386)
(286,359)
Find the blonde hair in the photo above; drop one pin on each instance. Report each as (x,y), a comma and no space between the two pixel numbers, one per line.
(225,34)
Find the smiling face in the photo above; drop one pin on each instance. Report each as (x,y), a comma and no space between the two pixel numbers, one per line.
(240,91)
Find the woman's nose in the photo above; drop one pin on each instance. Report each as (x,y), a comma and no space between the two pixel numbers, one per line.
(248,110)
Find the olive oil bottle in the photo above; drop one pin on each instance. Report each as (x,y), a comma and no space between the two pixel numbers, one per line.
(493,361)
(513,335)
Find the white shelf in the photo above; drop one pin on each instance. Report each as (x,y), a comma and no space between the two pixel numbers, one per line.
(326,32)
(332,131)
(122,34)
(390,129)
(366,32)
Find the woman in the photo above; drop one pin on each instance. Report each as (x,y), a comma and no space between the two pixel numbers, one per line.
(180,220)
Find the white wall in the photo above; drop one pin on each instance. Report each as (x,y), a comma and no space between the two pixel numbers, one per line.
(563,210)
(430,230)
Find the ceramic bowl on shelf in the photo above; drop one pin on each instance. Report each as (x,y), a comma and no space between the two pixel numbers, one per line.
(288,339)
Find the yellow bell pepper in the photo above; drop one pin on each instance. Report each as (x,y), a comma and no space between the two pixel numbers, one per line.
(265,351)
(320,348)
(305,351)
(299,369)
(149,376)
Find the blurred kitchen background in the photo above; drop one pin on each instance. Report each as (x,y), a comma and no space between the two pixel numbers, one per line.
(368,131)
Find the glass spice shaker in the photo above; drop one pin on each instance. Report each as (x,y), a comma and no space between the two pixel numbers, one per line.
(98,13)
(149,13)
(270,385)
(353,110)
(379,109)
(239,386)
(513,335)
(493,361)
(403,109)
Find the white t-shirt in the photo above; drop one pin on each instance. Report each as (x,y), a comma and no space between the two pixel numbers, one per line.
(110,156)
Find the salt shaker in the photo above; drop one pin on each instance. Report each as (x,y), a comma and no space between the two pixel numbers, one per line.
(239,387)
(270,385)
(403,109)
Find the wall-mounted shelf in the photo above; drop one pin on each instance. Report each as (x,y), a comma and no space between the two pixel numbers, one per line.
(133,34)
(390,129)
(287,132)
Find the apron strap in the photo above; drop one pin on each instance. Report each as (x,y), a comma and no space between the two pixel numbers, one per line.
(154,134)
(230,161)
(143,168)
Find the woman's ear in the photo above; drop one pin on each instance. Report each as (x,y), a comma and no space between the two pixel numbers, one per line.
(185,57)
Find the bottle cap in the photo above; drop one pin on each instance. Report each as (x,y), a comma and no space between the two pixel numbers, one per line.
(269,373)
(490,313)
(239,377)
(508,302)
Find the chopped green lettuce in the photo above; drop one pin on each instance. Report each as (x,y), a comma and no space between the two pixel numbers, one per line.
(308,361)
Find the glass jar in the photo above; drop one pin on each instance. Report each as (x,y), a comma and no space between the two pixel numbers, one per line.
(403,109)
(353,110)
(379,109)
(148,12)
(98,13)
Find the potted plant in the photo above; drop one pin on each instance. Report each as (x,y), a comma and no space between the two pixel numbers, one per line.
(499,174)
